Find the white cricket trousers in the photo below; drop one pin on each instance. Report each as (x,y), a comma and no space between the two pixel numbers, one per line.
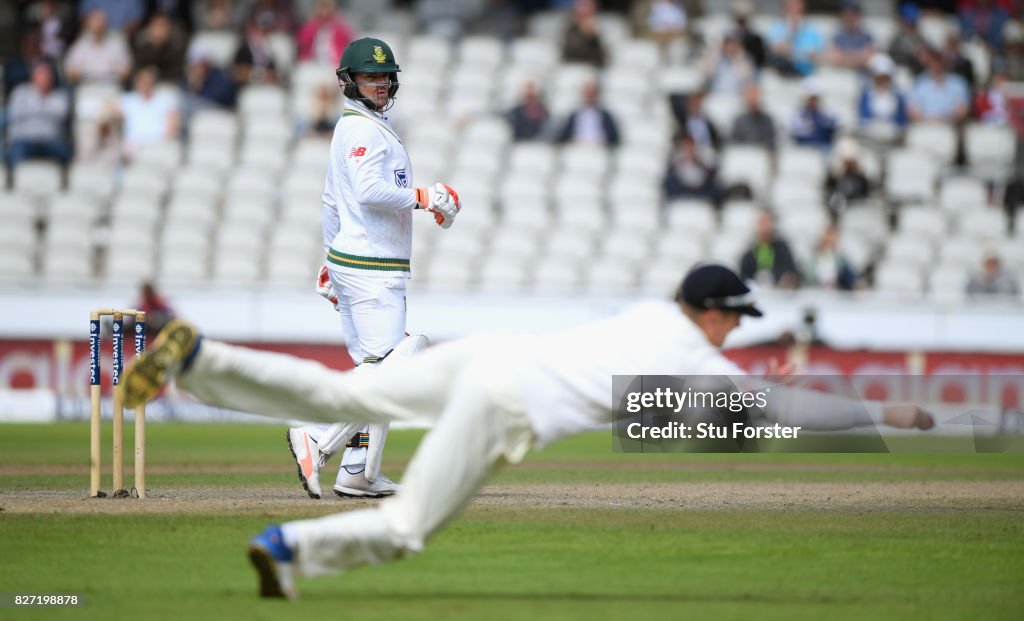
(462,388)
(372,310)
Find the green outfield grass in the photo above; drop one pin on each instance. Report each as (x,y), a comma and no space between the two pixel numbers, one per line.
(526,560)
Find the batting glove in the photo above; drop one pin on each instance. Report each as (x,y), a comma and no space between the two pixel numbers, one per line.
(325,287)
(440,200)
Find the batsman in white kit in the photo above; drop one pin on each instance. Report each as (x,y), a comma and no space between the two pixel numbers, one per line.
(500,395)
(367,232)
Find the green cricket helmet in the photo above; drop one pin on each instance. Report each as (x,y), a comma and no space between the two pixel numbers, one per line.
(367,55)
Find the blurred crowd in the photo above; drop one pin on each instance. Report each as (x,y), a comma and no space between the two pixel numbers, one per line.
(142,48)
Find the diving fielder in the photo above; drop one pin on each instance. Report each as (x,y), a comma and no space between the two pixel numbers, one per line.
(500,395)
(367,227)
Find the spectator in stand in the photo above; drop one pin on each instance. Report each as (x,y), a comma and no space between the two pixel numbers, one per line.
(123,15)
(178,11)
(846,180)
(769,260)
(147,118)
(811,125)
(689,114)
(984,19)
(254,60)
(1013,52)
(161,46)
(852,46)
(882,111)
(752,42)
(795,46)
(158,312)
(591,123)
(663,20)
(325,35)
(529,118)
(37,119)
(582,41)
(908,47)
(993,279)
(727,68)
(956,62)
(688,175)
(206,85)
(56,24)
(326,113)
(18,70)
(991,104)
(827,267)
(282,11)
(220,15)
(754,126)
(938,96)
(98,55)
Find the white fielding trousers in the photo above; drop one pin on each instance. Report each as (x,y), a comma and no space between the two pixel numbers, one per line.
(461,388)
(372,312)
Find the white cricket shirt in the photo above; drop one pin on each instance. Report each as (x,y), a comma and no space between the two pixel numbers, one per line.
(368,197)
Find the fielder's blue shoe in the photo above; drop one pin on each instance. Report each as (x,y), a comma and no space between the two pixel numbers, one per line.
(272,560)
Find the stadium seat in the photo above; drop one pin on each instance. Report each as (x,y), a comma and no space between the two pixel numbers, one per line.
(71,265)
(539,55)
(676,79)
(898,279)
(925,222)
(164,157)
(488,53)
(739,218)
(430,51)
(37,178)
(806,163)
(793,190)
(936,139)
(217,45)
(911,250)
(625,245)
(585,160)
(95,180)
(454,278)
(960,251)
(194,181)
(727,249)
(722,109)
(191,211)
(211,156)
(948,284)
(129,265)
(514,244)
(746,164)
(311,154)
(909,176)
(990,149)
(960,195)
(525,215)
(635,55)
(984,224)
(487,131)
(803,222)
(71,207)
(549,24)
(238,269)
(690,217)
(535,159)
(282,49)
(609,277)
(216,127)
(502,276)
(568,246)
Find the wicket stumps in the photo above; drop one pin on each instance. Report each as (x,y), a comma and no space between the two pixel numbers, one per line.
(118,404)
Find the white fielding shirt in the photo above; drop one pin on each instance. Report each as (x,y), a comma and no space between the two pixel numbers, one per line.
(368,197)
(565,379)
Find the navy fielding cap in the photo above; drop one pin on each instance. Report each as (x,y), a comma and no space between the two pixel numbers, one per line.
(710,286)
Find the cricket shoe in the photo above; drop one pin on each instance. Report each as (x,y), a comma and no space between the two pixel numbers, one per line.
(309,459)
(148,373)
(273,562)
(357,486)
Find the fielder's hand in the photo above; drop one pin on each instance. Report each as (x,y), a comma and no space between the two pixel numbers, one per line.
(907,417)
(325,288)
(440,200)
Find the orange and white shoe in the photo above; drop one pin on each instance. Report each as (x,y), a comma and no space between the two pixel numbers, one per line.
(308,458)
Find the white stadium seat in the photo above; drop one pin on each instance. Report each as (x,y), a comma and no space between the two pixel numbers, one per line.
(962,194)
(899,280)
(217,45)
(927,222)
(37,178)
(909,176)
(692,217)
(936,139)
